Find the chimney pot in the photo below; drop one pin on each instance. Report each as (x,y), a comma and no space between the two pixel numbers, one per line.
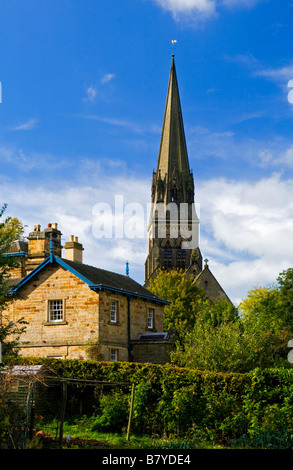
(73,249)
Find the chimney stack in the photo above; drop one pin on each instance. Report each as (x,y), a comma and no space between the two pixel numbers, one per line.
(73,249)
(39,245)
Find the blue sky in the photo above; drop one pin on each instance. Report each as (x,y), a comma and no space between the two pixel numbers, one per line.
(84,84)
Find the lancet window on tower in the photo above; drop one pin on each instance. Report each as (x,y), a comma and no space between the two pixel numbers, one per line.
(181,257)
(168,251)
(181,254)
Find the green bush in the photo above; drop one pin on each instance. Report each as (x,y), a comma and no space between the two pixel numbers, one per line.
(184,403)
(114,412)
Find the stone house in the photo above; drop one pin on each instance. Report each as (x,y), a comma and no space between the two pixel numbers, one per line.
(71,307)
(75,311)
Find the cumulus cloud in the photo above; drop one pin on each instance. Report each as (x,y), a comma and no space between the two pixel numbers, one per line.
(72,207)
(246,229)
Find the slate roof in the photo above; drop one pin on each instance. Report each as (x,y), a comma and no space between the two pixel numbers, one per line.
(96,278)
(104,279)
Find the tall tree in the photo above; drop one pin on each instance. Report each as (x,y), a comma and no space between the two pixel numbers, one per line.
(285,290)
(221,341)
(271,307)
(185,297)
(221,337)
(10,230)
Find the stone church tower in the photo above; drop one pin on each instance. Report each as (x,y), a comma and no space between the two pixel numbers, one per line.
(173,227)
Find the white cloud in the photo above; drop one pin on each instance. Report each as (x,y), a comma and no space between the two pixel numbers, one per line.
(247,229)
(108,77)
(179,6)
(71,206)
(275,153)
(271,157)
(281,75)
(25,126)
(121,122)
(20,160)
(91,93)
(202,8)
(277,74)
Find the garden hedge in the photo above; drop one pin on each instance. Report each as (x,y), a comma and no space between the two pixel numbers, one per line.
(187,403)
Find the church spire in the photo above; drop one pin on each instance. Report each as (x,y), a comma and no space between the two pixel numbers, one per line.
(173,172)
(173,190)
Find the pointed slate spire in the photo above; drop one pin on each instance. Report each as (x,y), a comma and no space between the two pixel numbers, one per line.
(173,166)
(173,183)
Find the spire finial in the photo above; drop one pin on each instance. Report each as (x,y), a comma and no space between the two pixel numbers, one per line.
(173,46)
(127,268)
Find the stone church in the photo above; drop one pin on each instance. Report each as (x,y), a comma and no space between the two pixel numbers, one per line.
(174,225)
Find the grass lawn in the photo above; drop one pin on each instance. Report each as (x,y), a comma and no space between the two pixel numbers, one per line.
(82,436)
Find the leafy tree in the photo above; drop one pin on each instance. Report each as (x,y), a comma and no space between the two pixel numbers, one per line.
(211,345)
(12,227)
(262,307)
(219,312)
(10,230)
(271,307)
(185,297)
(285,291)
(221,337)
(230,345)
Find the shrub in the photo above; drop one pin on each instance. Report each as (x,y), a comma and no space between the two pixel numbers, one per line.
(114,408)
(184,403)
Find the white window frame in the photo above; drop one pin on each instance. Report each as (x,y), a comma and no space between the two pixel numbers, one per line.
(150,318)
(113,354)
(114,311)
(56,310)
